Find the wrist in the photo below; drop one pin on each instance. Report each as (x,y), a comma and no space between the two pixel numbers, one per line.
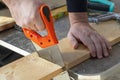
(78,17)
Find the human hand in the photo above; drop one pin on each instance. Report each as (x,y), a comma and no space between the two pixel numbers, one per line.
(25,13)
(83,32)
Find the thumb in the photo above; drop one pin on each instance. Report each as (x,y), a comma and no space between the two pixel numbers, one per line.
(73,41)
(39,23)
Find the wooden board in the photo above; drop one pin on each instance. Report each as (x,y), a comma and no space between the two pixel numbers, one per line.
(30,67)
(110,30)
(6,23)
(71,57)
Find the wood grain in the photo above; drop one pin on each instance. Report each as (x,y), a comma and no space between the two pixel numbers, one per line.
(30,67)
(6,23)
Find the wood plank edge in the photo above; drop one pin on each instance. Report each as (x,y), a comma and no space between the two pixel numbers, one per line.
(7,26)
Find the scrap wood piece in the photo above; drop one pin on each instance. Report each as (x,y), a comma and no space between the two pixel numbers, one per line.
(110,30)
(30,67)
(6,23)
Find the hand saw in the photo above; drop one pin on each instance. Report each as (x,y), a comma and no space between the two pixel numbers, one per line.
(49,42)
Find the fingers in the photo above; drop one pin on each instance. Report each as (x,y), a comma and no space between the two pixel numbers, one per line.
(104,45)
(73,41)
(89,43)
(98,46)
(34,23)
(107,43)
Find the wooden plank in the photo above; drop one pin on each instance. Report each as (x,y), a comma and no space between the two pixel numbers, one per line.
(62,76)
(70,56)
(110,30)
(6,23)
(30,67)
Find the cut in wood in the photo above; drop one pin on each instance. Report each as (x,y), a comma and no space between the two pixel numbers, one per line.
(6,23)
(30,67)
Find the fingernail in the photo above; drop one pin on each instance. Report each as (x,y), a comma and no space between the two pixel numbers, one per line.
(106,55)
(100,57)
(75,46)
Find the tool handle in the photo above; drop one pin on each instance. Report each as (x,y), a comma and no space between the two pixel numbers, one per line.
(98,6)
(43,41)
(106,2)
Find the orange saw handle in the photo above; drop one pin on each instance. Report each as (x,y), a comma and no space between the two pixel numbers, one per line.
(43,41)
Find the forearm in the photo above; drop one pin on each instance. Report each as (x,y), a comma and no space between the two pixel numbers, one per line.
(77,11)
